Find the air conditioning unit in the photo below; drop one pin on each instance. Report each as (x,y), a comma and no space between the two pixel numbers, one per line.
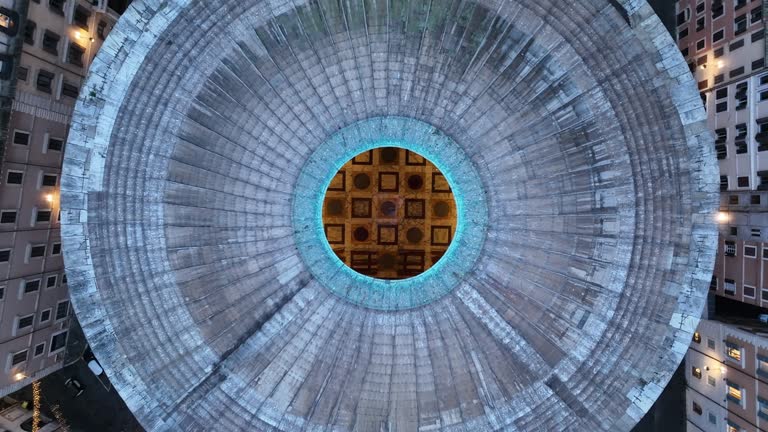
(99,5)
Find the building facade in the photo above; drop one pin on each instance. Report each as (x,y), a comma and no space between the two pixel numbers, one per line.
(60,39)
(727,376)
(724,45)
(723,42)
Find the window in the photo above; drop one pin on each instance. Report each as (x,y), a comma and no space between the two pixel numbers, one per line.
(712,418)
(696,372)
(29,32)
(700,8)
(701,60)
(56,249)
(756,14)
(45,316)
(19,358)
(57,6)
(718,36)
(7,216)
(733,351)
(70,90)
(45,81)
(58,342)
(717,8)
(740,24)
(62,309)
(63,278)
(764,294)
(43,216)
(736,72)
(749,291)
(754,199)
(735,392)
(31,286)
(762,366)
(700,44)
(729,286)
(762,408)
(697,408)
(50,281)
(5,255)
(682,34)
(37,251)
(81,17)
(741,99)
(733,200)
(736,45)
(757,64)
(24,322)
(22,73)
(721,136)
(713,284)
(732,427)
(39,349)
(719,78)
(711,381)
(75,54)
(742,181)
(721,107)
(730,248)
(697,337)
(756,232)
(719,52)
(100,30)
(750,251)
(758,35)
(15,177)
(51,42)
(721,93)
(21,138)
(49,180)
(700,24)
(683,16)
(740,4)
(55,144)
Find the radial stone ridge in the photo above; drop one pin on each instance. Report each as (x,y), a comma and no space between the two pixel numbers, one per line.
(571,133)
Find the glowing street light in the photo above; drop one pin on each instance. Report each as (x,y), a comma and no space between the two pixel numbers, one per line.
(722,217)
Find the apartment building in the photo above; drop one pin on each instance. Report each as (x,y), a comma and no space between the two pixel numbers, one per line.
(723,42)
(60,39)
(727,376)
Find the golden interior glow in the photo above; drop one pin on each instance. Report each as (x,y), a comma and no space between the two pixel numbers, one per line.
(734,392)
(49,198)
(389,213)
(734,353)
(19,376)
(723,217)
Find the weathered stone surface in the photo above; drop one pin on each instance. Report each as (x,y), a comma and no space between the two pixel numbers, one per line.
(579,138)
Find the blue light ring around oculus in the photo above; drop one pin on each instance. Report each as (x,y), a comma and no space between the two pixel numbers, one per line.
(450,159)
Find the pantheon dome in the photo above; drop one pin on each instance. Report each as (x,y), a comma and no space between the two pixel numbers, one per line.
(571,136)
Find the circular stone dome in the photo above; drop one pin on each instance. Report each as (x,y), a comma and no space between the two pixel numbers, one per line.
(571,134)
